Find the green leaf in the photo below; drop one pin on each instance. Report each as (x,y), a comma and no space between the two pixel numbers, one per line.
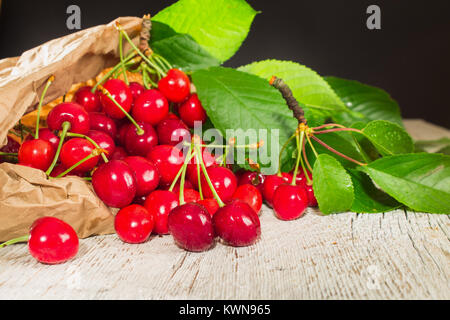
(369,199)
(389,138)
(160,31)
(219,26)
(420,181)
(367,103)
(438,146)
(184,53)
(332,185)
(307,86)
(241,101)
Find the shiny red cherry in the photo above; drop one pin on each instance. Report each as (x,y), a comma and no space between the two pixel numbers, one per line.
(36,153)
(272,183)
(191,171)
(52,241)
(75,150)
(289,202)
(256,179)
(47,135)
(140,145)
(146,173)
(90,101)
(173,132)
(172,115)
(121,134)
(101,122)
(237,224)
(176,86)
(70,112)
(191,227)
(134,224)
(121,93)
(300,179)
(176,189)
(119,154)
(312,201)
(159,203)
(192,111)
(223,180)
(136,89)
(151,107)
(211,205)
(115,184)
(168,160)
(190,195)
(250,195)
(104,141)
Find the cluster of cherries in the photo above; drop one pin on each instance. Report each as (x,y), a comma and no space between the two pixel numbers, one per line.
(125,139)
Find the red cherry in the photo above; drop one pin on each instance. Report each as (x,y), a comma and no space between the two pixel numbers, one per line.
(104,141)
(300,179)
(176,86)
(192,111)
(115,184)
(75,150)
(11,147)
(121,134)
(176,189)
(136,89)
(159,203)
(121,93)
(290,202)
(133,224)
(147,176)
(191,171)
(171,115)
(312,201)
(237,224)
(190,195)
(101,122)
(47,135)
(119,154)
(251,177)
(250,195)
(172,132)
(191,227)
(223,180)
(168,160)
(272,183)
(140,145)
(211,205)
(90,101)
(151,107)
(72,113)
(52,241)
(37,154)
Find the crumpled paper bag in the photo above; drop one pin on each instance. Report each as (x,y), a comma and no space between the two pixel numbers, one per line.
(25,193)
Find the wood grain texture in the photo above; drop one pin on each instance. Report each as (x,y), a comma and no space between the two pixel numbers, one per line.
(396,255)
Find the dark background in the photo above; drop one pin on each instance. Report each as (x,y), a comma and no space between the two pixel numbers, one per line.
(409,57)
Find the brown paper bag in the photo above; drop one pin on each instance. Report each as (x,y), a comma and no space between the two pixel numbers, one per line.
(25,193)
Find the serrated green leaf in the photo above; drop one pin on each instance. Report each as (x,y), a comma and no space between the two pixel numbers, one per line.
(307,86)
(238,100)
(367,103)
(219,26)
(184,53)
(332,185)
(420,181)
(369,199)
(389,138)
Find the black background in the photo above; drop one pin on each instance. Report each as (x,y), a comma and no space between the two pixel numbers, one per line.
(409,57)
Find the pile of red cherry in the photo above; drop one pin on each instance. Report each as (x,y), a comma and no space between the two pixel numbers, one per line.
(130,153)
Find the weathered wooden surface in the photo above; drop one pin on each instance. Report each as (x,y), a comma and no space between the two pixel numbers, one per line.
(396,255)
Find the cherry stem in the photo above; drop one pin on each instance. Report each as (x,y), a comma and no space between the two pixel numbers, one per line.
(174,182)
(299,141)
(337,152)
(41,102)
(112,71)
(208,180)
(189,157)
(147,71)
(77,135)
(65,128)
(329,125)
(149,62)
(14,241)
(282,151)
(76,165)
(309,182)
(9,154)
(312,147)
(200,189)
(163,61)
(122,61)
(338,130)
(139,130)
